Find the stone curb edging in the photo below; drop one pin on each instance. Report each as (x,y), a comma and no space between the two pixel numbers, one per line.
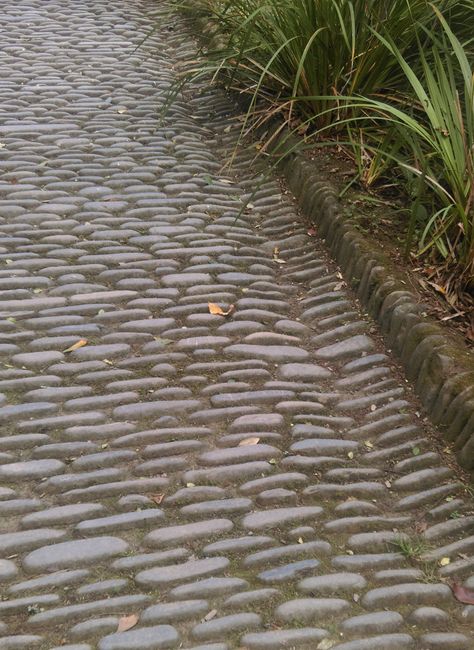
(438,364)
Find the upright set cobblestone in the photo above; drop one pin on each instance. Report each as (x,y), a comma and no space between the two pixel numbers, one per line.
(259,481)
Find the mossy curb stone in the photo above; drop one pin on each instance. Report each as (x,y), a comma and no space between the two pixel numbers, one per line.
(439,364)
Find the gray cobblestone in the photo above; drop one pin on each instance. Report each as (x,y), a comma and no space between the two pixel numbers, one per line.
(8,570)
(20,641)
(151,638)
(309,610)
(68,554)
(307,637)
(177,467)
(386,641)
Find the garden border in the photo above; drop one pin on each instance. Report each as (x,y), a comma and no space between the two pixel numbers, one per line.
(438,363)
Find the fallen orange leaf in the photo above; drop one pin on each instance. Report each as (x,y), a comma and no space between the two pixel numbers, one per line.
(157,498)
(127,622)
(79,344)
(249,441)
(218,311)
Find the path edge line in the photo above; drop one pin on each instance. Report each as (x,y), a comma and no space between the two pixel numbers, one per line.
(438,363)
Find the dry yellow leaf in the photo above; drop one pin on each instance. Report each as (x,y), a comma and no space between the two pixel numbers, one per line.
(445,561)
(438,288)
(218,311)
(249,441)
(78,344)
(127,622)
(276,258)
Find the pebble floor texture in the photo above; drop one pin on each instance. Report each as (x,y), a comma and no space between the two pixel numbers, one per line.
(129,482)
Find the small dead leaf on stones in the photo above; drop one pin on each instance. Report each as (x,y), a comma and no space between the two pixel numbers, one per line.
(444,561)
(311,232)
(157,498)
(215,310)
(210,615)
(127,622)
(78,344)
(249,441)
(462,594)
(276,258)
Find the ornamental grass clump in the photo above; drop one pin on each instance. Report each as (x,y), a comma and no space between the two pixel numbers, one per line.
(313,51)
(389,81)
(431,133)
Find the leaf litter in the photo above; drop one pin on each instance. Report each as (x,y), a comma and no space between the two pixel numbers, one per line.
(127,622)
(78,344)
(462,594)
(249,441)
(216,310)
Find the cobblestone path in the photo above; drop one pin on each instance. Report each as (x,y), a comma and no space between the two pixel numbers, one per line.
(259,481)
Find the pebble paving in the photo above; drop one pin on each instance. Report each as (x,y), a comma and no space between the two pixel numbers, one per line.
(251,481)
